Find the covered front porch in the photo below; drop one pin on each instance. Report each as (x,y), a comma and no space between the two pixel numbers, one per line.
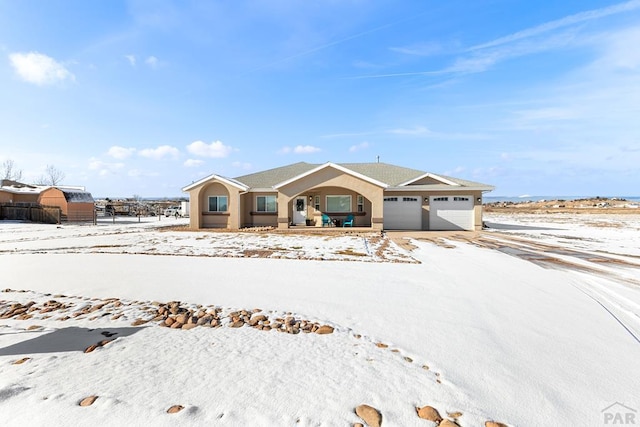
(328,208)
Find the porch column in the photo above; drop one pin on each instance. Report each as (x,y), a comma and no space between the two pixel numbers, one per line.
(377,205)
(283,211)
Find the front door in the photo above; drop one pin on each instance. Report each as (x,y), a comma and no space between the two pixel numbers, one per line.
(299,210)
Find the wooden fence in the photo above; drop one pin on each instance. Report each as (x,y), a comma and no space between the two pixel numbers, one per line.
(30,212)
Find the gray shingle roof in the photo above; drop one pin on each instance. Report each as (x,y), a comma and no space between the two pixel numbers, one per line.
(391,175)
(271,177)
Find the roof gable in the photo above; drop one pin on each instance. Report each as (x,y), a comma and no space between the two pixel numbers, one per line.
(425,178)
(228,181)
(334,166)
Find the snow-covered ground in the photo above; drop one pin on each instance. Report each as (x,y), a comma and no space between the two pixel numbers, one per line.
(535,323)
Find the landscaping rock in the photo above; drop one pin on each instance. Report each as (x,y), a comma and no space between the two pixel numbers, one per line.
(21,361)
(429,413)
(494,424)
(369,415)
(324,329)
(175,409)
(88,401)
(447,423)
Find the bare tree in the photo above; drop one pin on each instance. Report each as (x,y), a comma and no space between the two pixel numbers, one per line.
(52,176)
(8,171)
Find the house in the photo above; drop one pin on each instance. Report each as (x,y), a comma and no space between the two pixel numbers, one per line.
(377,195)
(75,203)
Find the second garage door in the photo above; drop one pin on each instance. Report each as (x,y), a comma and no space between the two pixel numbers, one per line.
(402,213)
(451,213)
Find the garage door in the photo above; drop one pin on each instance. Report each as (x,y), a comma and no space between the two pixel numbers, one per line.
(451,213)
(402,213)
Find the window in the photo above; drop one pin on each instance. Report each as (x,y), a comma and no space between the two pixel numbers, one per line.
(440,199)
(338,203)
(218,203)
(390,199)
(317,203)
(266,204)
(360,203)
(460,199)
(409,199)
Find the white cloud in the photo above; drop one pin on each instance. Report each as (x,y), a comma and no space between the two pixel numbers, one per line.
(192,163)
(136,173)
(39,69)
(299,149)
(120,153)
(131,59)
(216,149)
(242,165)
(104,168)
(152,62)
(160,152)
(362,146)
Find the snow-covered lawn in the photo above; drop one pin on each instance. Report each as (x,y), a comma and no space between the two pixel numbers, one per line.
(489,329)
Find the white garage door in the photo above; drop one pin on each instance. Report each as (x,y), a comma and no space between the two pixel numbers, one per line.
(451,213)
(402,213)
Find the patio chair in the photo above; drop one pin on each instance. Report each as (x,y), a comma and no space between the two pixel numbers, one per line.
(348,222)
(326,220)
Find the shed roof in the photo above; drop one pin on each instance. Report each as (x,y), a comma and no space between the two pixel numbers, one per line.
(73,195)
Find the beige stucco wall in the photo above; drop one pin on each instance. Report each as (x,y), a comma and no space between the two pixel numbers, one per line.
(330,181)
(200,217)
(250,216)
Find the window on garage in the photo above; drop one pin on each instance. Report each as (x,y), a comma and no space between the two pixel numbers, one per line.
(440,199)
(338,203)
(460,199)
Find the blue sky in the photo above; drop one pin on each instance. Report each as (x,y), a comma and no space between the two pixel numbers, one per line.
(140,97)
